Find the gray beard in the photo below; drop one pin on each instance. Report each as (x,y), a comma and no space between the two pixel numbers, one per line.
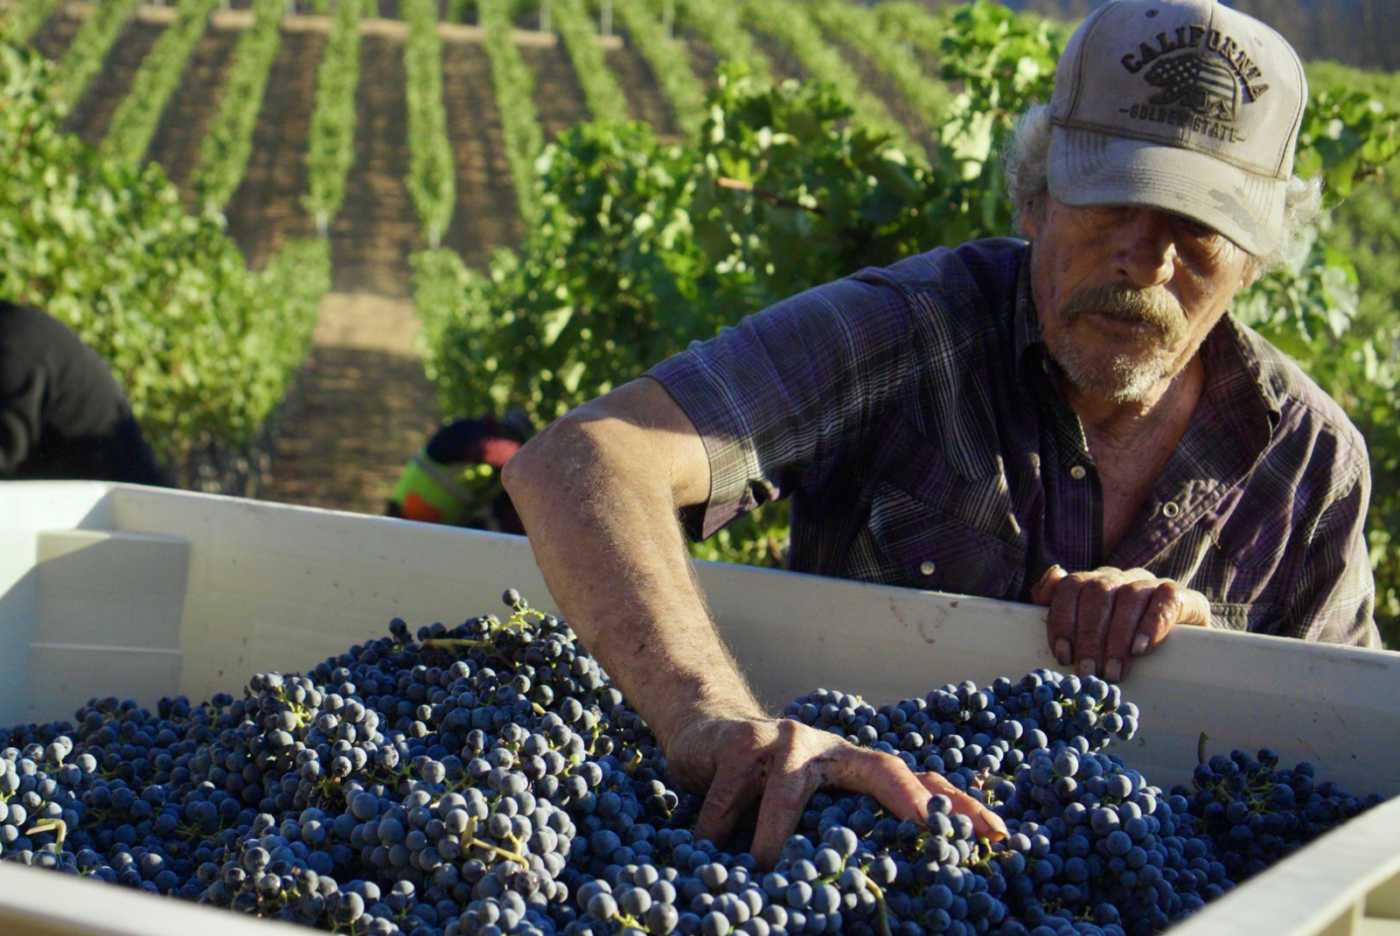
(1121,379)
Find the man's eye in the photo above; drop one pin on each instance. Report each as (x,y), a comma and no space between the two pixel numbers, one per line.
(1196,230)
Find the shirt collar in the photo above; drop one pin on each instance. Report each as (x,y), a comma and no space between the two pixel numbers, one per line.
(1236,385)
(1025,323)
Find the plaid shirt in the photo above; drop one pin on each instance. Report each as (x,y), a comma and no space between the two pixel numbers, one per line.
(910,415)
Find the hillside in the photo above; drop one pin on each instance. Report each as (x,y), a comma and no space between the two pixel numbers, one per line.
(1360,33)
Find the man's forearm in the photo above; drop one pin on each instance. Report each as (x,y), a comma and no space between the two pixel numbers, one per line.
(601,521)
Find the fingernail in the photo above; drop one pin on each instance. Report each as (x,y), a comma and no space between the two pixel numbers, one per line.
(1112,670)
(1062,651)
(1139,645)
(1086,667)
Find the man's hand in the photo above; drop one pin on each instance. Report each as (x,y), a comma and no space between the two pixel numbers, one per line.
(781,763)
(1101,620)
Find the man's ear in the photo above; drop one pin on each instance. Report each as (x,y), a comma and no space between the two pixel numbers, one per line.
(1253,269)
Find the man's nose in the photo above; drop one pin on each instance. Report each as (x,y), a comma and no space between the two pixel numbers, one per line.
(1145,254)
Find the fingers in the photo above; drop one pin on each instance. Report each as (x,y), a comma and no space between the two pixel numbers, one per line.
(883,776)
(783,763)
(1045,588)
(1096,595)
(784,797)
(1099,621)
(737,783)
(1129,609)
(985,823)
(904,793)
(1170,605)
(1063,618)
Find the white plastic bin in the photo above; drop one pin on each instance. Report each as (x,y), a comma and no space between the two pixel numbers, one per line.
(128,591)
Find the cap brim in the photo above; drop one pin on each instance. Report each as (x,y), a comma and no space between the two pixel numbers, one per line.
(1088,168)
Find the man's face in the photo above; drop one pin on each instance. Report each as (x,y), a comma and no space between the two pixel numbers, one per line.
(1127,294)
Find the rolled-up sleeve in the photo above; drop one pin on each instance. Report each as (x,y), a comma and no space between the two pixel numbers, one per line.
(778,398)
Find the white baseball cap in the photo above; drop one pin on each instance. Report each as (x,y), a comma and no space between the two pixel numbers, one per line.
(1184,105)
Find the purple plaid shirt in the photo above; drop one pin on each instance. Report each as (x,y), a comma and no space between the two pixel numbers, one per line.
(909,413)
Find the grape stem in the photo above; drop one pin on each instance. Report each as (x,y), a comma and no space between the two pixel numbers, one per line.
(884,917)
(50,825)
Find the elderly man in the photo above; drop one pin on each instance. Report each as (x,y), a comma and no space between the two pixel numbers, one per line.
(1076,421)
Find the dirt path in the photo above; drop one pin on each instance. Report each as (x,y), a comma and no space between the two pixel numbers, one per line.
(361,408)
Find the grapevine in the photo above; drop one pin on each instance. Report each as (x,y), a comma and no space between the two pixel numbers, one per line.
(204,348)
(331,147)
(669,62)
(791,25)
(600,89)
(228,142)
(22,21)
(718,22)
(514,86)
(90,46)
(920,26)
(431,182)
(861,27)
(138,115)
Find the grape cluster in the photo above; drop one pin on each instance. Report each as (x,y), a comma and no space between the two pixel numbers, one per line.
(489,779)
(1256,812)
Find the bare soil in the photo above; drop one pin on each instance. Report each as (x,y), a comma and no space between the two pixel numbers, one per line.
(487,214)
(645,100)
(781,61)
(558,97)
(377,230)
(266,210)
(703,60)
(361,408)
(108,88)
(54,37)
(189,110)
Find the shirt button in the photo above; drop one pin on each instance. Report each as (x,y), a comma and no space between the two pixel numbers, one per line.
(1077,472)
(927,567)
(1171,510)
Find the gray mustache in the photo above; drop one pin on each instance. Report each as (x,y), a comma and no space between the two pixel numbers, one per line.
(1156,308)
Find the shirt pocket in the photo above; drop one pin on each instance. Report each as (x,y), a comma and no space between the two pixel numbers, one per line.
(942,516)
(919,548)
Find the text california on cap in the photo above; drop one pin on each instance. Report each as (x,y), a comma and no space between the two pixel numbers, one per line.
(1184,105)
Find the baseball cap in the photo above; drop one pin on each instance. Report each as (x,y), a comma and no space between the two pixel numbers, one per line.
(1184,105)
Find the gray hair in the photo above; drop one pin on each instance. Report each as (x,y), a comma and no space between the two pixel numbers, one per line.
(1028,151)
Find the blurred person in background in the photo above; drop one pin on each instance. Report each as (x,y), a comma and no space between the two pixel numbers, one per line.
(456,478)
(62,414)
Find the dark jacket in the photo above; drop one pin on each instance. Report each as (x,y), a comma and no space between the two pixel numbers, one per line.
(62,414)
